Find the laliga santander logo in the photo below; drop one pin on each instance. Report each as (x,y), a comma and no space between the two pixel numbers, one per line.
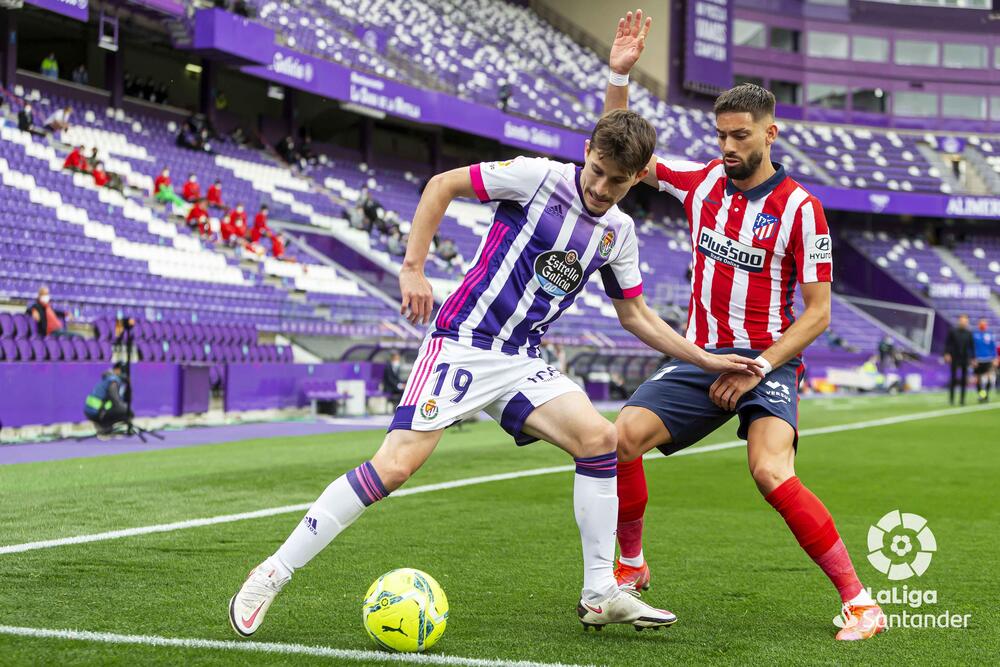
(901,545)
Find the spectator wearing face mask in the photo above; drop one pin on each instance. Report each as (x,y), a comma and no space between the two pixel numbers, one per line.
(191,190)
(50,322)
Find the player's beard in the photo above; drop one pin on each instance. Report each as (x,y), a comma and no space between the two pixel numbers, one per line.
(746,168)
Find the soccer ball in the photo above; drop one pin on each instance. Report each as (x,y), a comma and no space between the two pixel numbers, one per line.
(405,610)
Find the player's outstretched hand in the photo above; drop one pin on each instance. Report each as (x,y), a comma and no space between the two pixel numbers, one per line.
(630,40)
(728,389)
(731,363)
(418,298)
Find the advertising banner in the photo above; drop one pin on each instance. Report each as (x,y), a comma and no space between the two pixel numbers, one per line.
(74,9)
(708,65)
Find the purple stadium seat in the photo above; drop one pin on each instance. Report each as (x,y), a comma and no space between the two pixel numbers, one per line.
(6,325)
(82,353)
(68,351)
(53,349)
(106,351)
(94,350)
(22,325)
(143,349)
(38,350)
(105,329)
(9,349)
(24,352)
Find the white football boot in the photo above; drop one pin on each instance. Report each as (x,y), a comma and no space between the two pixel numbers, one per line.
(249,606)
(623,606)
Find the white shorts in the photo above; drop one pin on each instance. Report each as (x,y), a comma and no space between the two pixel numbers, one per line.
(451,381)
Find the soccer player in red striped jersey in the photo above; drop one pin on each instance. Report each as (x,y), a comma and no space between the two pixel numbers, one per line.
(755,234)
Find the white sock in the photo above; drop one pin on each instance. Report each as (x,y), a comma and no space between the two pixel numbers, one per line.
(862,599)
(595,504)
(337,507)
(637,561)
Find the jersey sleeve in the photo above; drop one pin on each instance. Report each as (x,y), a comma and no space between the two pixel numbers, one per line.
(510,180)
(621,276)
(812,245)
(678,177)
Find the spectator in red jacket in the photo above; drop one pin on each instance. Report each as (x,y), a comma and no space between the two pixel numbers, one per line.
(277,246)
(75,160)
(260,227)
(198,210)
(100,176)
(238,220)
(204,229)
(215,194)
(162,180)
(191,190)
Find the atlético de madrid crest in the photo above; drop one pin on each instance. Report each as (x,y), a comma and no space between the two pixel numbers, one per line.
(764,226)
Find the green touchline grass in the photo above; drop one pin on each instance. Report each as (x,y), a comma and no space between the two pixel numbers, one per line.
(507,553)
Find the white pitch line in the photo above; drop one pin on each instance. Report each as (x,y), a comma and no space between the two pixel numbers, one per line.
(469,481)
(270,647)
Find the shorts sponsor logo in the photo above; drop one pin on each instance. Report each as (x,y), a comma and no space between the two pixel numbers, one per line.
(549,373)
(607,243)
(777,392)
(429,410)
(764,226)
(498,165)
(821,249)
(559,272)
(723,249)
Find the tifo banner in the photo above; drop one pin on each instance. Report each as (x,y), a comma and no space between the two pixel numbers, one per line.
(74,9)
(708,66)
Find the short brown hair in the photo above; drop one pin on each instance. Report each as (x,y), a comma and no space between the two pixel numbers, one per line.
(746,98)
(625,138)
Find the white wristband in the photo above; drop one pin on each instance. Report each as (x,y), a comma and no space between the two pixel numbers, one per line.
(616,79)
(765,363)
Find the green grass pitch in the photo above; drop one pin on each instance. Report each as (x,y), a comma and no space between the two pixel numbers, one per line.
(507,553)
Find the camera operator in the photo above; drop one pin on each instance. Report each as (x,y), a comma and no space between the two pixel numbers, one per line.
(107,404)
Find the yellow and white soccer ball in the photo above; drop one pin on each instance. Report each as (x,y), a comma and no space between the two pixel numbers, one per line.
(405,610)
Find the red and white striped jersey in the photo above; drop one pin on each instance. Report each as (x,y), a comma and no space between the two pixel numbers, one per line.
(749,249)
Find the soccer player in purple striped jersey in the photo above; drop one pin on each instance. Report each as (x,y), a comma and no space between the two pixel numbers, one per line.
(554,225)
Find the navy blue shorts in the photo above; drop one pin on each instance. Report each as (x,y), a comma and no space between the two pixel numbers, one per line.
(678,394)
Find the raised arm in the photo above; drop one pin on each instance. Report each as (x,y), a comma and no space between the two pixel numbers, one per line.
(630,40)
(417,297)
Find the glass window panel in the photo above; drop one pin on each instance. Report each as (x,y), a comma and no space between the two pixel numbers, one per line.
(909,103)
(827,45)
(965,56)
(784,39)
(749,33)
(915,52)
(963,106)
(870,49)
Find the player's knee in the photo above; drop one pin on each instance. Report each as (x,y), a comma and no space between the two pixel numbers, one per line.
(630,442)
(599,440)
(770,474)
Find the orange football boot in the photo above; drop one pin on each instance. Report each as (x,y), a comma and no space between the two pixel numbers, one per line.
(636,576)
(860,622)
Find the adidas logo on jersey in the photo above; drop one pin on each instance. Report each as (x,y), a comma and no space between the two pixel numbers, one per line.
(555,209)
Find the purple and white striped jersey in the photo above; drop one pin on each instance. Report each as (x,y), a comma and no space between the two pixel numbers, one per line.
(539,253)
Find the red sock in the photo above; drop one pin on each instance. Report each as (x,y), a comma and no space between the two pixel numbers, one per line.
(813,527)
(632,497)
